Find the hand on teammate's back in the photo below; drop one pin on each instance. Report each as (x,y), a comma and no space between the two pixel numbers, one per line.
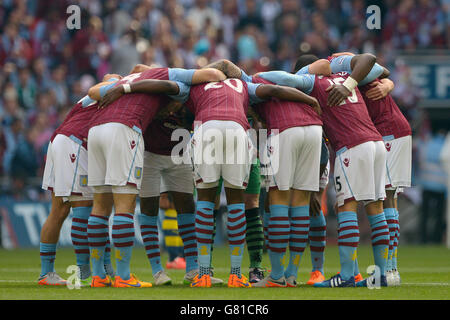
(378,91)
(316,106)
(111,96)
(336,94)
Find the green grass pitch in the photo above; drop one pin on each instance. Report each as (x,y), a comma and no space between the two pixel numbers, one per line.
(425,272)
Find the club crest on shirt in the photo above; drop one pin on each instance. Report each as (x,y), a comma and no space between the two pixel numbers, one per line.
(388,146)
(73,157)
(138,172)
(83,180)
(132,144)
(346,162)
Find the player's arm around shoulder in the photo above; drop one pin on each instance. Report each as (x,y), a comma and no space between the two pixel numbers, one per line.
(345,53)
(97,91)
(360,66)
(148,86)
(267,91)
(320,67)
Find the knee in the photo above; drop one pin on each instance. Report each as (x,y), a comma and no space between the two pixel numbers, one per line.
(150,206)
(184,202)
(300,198)
(251,201)
(59,212)
(374,208)
(389,202)
(234,195)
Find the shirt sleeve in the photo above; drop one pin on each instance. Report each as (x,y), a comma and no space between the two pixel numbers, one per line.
(245,77)
(183,94)
(304,70)
(304,82)
(181,75)
(253,98)
(341,63)
(113,79)
(87,101)
(376,71)
(104,89)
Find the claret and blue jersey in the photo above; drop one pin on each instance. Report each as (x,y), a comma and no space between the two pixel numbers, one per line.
(345,125)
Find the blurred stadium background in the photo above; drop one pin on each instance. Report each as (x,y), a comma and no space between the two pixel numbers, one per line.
(45,67)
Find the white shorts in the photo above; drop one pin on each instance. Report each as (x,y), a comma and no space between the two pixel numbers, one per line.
(221,149)
(359,172)
(115,153)
(323,182)
(295,158)
(162,175)
(66,168)
(398,161)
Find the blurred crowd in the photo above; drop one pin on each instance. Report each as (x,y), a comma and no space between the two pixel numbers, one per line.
(46,67)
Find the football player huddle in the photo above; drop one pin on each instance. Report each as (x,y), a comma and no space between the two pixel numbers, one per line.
(190,132)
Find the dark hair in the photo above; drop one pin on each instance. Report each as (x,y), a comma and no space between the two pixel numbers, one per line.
(304,60)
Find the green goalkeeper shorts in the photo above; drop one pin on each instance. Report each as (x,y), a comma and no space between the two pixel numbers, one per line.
(254,180)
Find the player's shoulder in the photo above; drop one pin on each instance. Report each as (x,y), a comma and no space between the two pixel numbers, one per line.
(155,72)
(257,79)
(341,59)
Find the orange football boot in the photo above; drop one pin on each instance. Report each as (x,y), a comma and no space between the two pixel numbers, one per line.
(235,282)
(98,282)
(201,282)
(177,263)
(358,277)
(133,282)
(316,276)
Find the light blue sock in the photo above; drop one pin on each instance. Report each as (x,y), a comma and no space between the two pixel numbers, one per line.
(78,232)
(279,230)
(204,228)
(186,230)
(236,226)
(390,219)
(396,240)
(298,238)
(348,239)
(149,233)
(47,253)
(98,234)
(107,259)
(356,268)
(123,241)
(317,241)
(380,240)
